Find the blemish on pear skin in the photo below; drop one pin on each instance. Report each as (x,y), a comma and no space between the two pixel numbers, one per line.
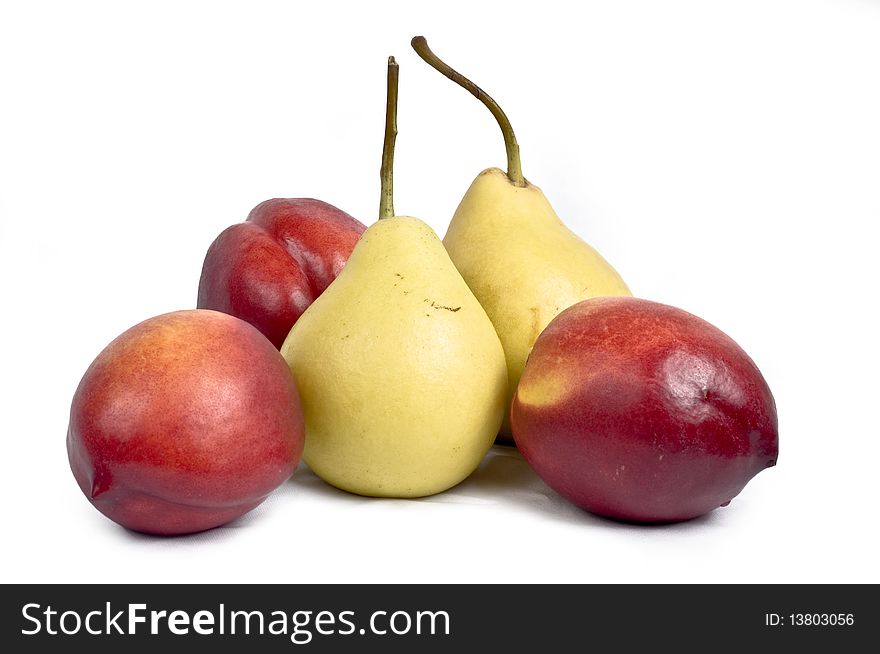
(434,305)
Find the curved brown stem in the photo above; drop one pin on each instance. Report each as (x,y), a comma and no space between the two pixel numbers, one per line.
(514,165)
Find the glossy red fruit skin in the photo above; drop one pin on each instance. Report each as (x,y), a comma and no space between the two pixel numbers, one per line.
(184,422)
(270,268)
(643,412)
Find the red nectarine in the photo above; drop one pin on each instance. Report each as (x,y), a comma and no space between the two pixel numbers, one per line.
(270,268)
(184,422)
(640,411)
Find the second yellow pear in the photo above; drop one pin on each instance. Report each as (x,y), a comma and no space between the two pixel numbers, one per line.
(519,259)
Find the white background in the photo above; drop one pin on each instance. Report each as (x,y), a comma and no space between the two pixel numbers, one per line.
(724,156)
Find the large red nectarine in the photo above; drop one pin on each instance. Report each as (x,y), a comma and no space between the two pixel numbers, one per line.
(184,422)
(640,411)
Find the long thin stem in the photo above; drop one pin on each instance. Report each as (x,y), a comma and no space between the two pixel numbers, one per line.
(514,165)
(386,200)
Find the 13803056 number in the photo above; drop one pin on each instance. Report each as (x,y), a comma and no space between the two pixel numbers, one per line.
(822,619)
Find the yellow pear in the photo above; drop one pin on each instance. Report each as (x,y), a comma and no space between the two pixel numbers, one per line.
(519,259)
(401,375)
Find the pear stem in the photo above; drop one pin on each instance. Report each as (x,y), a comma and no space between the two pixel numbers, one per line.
(386,199)
(514,165)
